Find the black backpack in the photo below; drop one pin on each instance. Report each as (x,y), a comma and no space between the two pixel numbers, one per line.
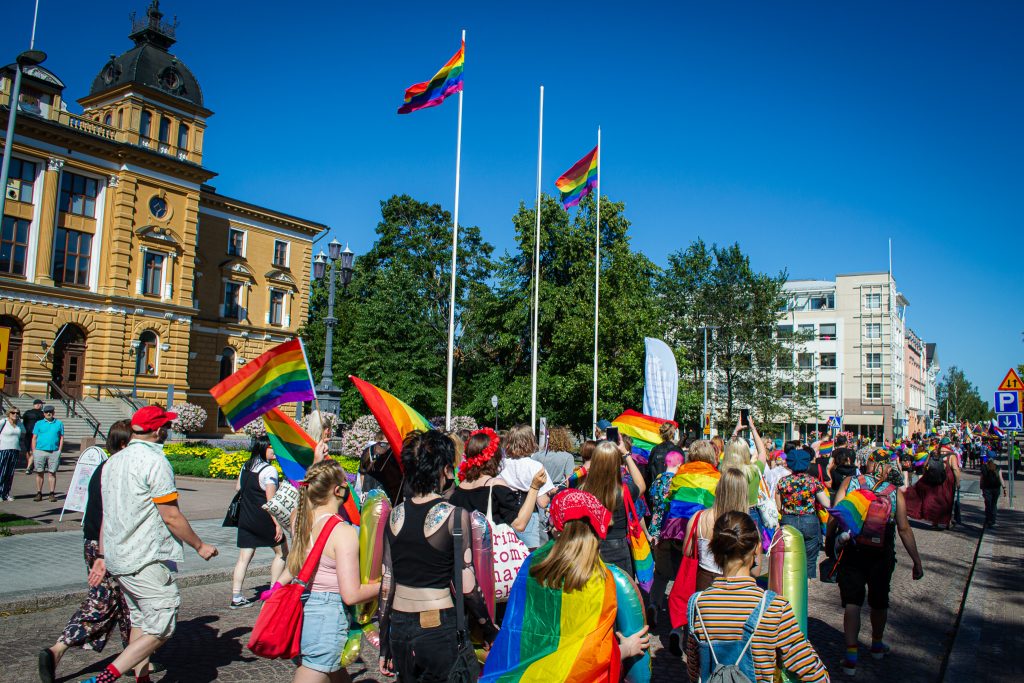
(934,470)
(989,479)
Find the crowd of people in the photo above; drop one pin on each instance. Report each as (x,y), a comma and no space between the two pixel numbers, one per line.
(576,524)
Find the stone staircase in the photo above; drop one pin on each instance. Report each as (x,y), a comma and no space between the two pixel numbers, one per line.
(77,427)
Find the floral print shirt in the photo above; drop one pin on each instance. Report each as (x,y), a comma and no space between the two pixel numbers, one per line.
(659,501)
(797,492)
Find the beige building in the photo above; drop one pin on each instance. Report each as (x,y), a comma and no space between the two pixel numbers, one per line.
(121,268)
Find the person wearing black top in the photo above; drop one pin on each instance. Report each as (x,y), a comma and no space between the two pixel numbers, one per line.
(655,466)
(604,481)
(29,419)
(104,609)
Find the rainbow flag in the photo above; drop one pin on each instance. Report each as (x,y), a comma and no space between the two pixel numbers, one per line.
(576,478)
(556,637)
(642,429)
(920,458)
(395,417)
(825,448)
(852,510)
(691,490)
(278,376)
(445,82)
(578,181)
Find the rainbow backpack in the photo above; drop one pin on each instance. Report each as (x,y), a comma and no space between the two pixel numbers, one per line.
(878,515)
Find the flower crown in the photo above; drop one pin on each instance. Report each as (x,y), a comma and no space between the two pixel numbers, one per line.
(481,458)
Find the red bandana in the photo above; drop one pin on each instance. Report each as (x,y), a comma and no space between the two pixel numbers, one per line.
(573,504)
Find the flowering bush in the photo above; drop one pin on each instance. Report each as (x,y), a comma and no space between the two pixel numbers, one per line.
(191,418)
(256,428)
(199,450)
(228,465)
(463,422)
(363,431)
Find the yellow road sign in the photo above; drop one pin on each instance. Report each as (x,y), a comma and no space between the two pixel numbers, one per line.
(1011,382)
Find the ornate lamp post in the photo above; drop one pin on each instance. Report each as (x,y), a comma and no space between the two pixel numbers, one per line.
(336,259)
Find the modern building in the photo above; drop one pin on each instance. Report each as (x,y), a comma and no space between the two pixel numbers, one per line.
(121,268)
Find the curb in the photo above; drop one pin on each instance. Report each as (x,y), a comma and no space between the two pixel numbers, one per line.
(37,602)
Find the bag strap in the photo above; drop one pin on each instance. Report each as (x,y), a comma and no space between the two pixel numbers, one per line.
(460,617)
(751,629)
(490,500)
(313,559)
(627,502)
(700,620)
(691,538)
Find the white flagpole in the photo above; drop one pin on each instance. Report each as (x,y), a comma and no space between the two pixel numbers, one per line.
(597,273)
(536,270)
(455,253)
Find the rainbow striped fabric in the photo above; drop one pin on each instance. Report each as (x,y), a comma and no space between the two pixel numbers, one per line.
(691,490)
(292,446)
(578,181)
(445,82)
(278,376)
(395,417)
(920,458)
(825,448)
(852,510)
(556,637)
(576,478)
(642,429)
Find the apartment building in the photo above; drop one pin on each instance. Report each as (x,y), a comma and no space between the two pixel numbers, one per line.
(916,379)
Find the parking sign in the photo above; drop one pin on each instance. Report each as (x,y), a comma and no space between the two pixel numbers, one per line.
(1007,402)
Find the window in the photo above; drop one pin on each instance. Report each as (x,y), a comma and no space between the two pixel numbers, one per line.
(78,195)
(786,389)
(145,353)
(785,331)
(108,119)
(805,361)
(236,242)
(13,245)
(227,367)
(873,301)
(152,273)
(827,390)
(785,361)
(276,307)
(807,331)
(873,361)
(21,179)
(281,253)
(805,388)
(182,137)
(828,361)
(71,253)
(822,302)
(165,129)
(120,118)
(232,300)
(827,331)
(873,330)
(873,390)
(145,124)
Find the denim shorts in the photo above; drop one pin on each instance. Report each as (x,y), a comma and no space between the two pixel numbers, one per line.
(324,632)
(535,534)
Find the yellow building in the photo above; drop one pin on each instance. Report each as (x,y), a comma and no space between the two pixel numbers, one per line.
(119,264)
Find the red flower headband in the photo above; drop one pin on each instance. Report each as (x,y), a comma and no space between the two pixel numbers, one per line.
(481,458)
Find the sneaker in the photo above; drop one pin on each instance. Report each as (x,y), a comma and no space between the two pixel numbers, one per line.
(849,668)
(652,616)
(47,666)
(241,603)
(28,470)
(675,642)
(53,498)
(9,499)
(39,497)
(880,650)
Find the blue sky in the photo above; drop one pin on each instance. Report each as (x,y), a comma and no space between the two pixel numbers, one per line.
(809,132)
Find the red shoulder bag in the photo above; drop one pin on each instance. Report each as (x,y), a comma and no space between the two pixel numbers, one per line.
(686,579)
(278,630)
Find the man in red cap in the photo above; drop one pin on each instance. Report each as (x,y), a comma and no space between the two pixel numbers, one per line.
(141,537)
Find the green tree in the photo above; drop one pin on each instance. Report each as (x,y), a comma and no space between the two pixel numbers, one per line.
(393,320)
(959,399)
(500,333)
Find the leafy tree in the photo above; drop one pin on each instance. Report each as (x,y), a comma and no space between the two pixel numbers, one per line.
(959,399)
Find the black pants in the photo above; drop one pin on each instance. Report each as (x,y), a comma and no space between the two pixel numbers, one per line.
(423,655)
(991,497)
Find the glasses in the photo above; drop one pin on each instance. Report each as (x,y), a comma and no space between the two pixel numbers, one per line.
(14,412)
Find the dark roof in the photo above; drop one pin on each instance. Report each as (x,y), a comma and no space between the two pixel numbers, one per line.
(929,352)
(149,63)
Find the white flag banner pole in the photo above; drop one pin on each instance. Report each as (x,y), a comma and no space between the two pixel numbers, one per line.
(661,380)
(597,274)
(536,272)
(455,255)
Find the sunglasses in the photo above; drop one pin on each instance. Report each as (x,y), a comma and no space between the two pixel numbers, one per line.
(14,412)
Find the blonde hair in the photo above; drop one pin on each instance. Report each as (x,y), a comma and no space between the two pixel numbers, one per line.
(718,443)
(520,442)
(317,488)
(604,477)
(573,559)
(318,424)
(666,431)
(737,453)
(702,451)
(731,492)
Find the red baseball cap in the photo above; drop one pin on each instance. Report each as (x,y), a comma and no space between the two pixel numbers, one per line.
(573,504)
(151,418)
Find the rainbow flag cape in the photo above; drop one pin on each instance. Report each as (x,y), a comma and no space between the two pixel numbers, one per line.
(920,458)
(278,376)
(578,181)
(395,417)
(445,82)
(691,490)
(642,429)
(556,637)
(825,448)
(851,511)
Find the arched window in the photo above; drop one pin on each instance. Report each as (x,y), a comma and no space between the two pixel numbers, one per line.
(182,137)
(145,124)
(146,354)
(108,119)
(165,129)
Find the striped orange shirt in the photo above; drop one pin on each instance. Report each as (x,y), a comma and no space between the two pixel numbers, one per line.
(778,641)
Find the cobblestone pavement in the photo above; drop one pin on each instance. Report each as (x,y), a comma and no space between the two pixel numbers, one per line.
(209,644)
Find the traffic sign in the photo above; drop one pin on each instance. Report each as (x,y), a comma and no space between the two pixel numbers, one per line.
(1012,382)
(1010,422)
(1007,402)
(835,422)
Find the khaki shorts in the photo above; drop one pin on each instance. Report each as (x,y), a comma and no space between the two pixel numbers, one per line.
(46,461)
(153,599)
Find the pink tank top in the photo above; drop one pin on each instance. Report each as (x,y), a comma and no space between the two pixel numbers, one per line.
(325,580)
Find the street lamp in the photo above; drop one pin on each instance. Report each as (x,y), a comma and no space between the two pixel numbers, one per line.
(494,403)
(26,58)
(328,393)
(704,416)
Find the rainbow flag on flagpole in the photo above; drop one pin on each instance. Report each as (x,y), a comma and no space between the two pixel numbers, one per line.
(578,181)
(395,417)
(642,429)
(292,446)
(278,376)
(445,82)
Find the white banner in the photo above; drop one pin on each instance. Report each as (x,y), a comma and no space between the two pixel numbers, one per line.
(78,491)
(661,380)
